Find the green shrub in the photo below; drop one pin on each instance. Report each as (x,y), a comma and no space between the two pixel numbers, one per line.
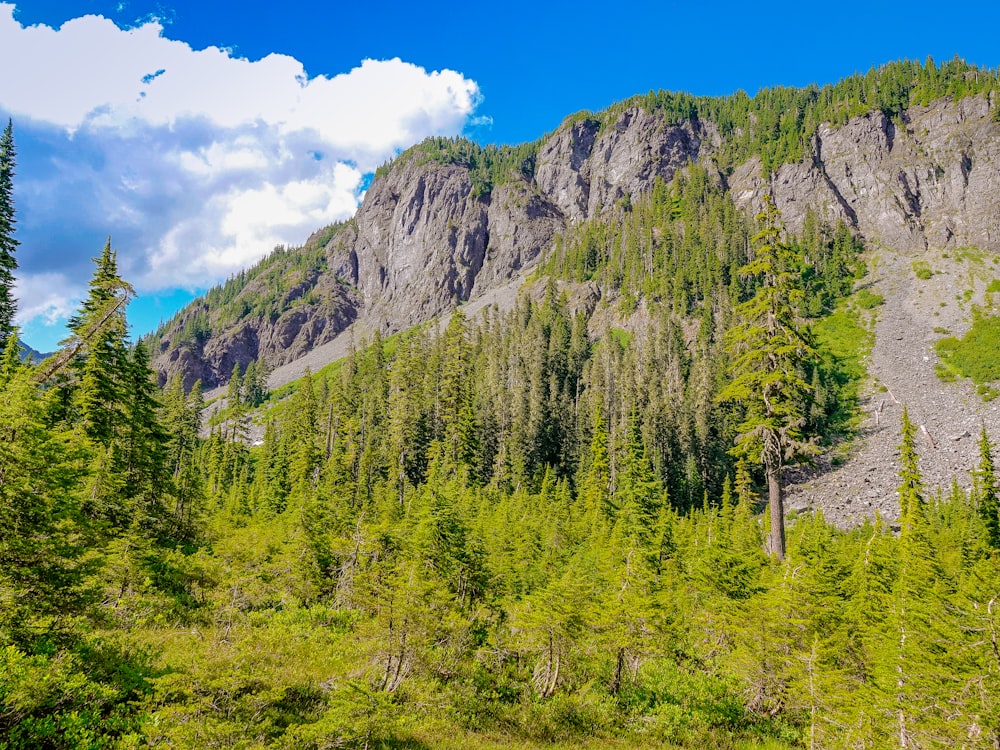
(868,300)
(922,269)
(974,355)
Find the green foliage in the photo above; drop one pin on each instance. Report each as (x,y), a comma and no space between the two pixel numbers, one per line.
(770,357)
(922,270)
(845,344)
(500,532)
(974,355)
(70,698)
(283,280)
(868,300)
(489,166)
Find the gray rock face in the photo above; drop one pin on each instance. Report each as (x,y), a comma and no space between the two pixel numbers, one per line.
(315,310)
(933,183)
(422,241)
(522,223)
(583,169)
(425,242)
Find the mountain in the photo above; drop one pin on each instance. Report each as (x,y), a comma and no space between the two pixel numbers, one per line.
(907,156)
(28,353)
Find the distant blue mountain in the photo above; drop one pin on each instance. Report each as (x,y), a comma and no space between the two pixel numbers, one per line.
(27,353)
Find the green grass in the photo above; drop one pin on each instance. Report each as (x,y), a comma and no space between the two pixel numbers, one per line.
(969,254)
(868,300)
(845,341)
(843,335)
(987,392)
(975,355)
(922,269)
(622,336)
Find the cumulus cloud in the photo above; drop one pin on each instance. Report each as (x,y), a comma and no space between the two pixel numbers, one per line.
(196,161)
(49,296)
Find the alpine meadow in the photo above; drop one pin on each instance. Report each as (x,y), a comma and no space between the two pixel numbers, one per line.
(672,428)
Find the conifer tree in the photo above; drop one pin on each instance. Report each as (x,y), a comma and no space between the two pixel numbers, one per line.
(144,441)
(39,513)
(100,393)
(8,244)
(181,419)
(989,505)
(770,355)
(305,453)
(911,488)
(100,330)
(255,383)
(595,486)
(921,620)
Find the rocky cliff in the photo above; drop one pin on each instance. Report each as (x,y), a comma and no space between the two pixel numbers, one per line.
(931,182)
(428,235)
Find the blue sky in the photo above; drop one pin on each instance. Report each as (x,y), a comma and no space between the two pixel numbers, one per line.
(201,134)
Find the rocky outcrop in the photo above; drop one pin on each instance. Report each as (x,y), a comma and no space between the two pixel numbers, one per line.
(422,239)
(932,182)
(426,237)
(522,224)
(584,168)
(309,314)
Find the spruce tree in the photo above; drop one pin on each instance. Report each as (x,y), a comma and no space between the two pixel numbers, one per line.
(144,441)
(102,329)
(769,356)
(8,245)
(922,629)
(989,505)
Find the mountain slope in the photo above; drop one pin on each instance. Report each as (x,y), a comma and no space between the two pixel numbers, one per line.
(449,221)
(28,353)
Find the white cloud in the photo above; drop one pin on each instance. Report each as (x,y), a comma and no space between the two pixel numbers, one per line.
(48,296)
(196,161)
(248,219)
(94,73)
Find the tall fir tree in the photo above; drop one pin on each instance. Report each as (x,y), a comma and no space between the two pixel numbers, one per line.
(770,356)
(8,244)
(103,330)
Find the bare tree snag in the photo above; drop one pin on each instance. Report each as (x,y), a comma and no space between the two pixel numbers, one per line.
(926,434)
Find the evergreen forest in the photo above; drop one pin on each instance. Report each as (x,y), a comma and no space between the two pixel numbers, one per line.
(559,525)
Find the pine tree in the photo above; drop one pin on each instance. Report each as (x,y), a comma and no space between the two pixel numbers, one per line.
(100,330)
(922,619)
(144,441)
(770,355)
(989,505)
(8,245)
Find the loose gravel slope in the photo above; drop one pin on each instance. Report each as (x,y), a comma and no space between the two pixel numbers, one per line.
(902,372)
